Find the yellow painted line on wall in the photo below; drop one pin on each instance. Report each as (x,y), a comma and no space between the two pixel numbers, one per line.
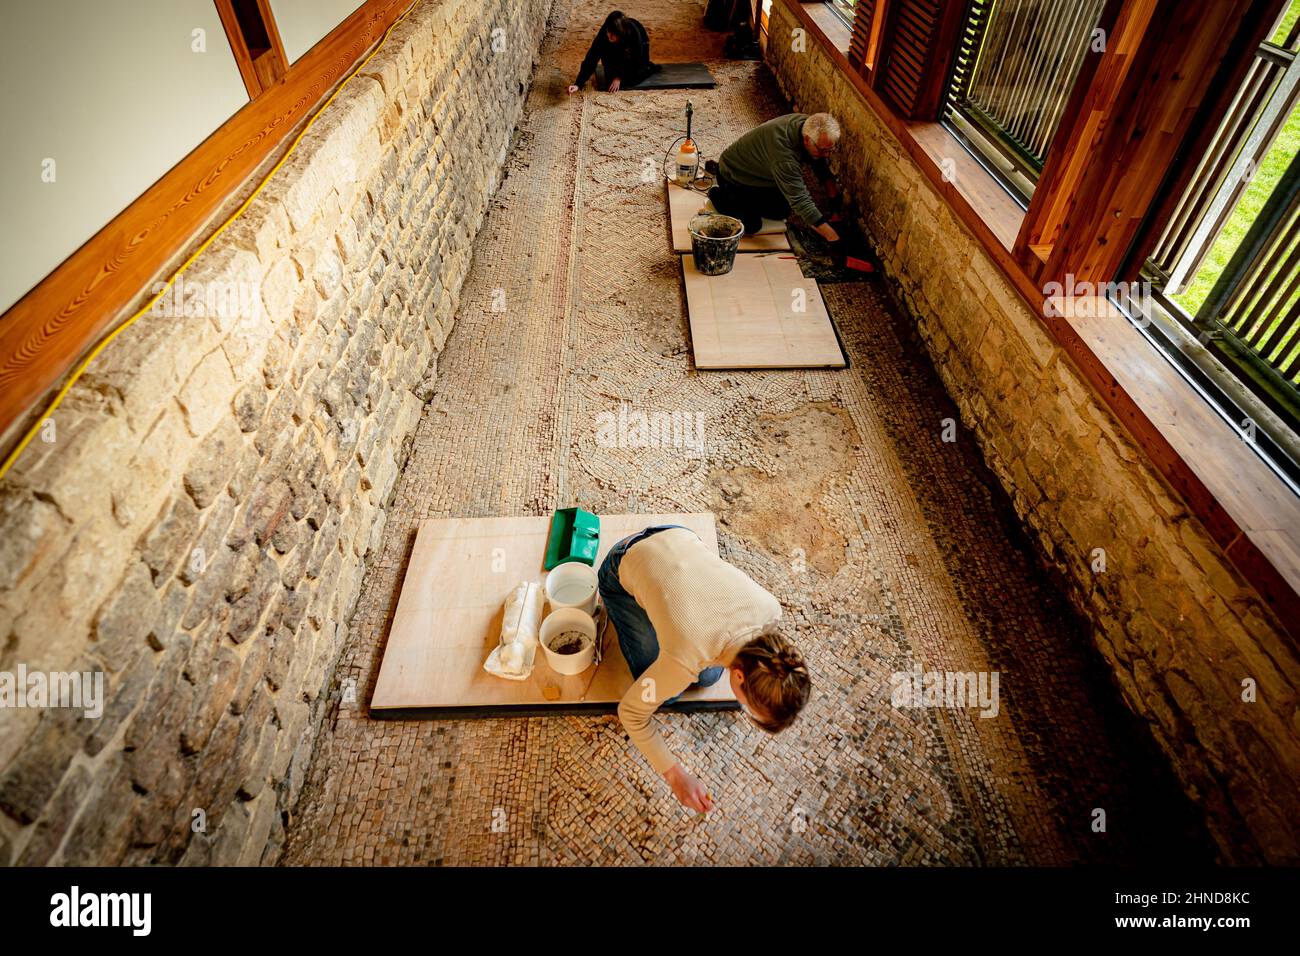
(103,343)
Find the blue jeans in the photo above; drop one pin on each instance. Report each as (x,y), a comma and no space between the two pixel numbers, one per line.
(636,635)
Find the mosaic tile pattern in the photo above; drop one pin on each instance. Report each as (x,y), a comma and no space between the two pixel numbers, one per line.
(886,545)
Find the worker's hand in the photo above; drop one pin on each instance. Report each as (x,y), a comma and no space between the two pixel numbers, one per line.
(828,233)
(573,88)
(614,84)
(689,792)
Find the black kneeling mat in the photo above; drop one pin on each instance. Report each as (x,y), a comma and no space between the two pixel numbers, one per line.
(670,75)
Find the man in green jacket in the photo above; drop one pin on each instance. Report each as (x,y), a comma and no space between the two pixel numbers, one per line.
(761,174)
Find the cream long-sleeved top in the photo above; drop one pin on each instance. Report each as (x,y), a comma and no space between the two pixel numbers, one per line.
(703,610)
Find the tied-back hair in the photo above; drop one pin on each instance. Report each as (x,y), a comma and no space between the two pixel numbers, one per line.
(616,24)
(776,678)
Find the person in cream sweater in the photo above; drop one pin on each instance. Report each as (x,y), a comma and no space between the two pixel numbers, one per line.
(684,616)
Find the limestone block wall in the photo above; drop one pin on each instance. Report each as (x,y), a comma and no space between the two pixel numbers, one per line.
(194,520)
(1180,629)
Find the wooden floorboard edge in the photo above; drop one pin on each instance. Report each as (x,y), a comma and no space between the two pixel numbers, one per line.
(571,709)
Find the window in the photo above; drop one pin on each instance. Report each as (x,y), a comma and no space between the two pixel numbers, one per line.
(1016,65)
(1227,266)
(844,9)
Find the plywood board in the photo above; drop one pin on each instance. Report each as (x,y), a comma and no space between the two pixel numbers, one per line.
(762,314)
(685,204)
(448,619)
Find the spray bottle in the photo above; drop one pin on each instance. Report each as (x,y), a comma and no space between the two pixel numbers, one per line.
(687,156)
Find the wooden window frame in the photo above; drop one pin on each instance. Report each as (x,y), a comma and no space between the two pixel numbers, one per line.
(59,320)
(263,70)
(1101,182)
(1090,219)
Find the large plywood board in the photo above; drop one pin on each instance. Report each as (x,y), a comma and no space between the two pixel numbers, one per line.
(685,204)
(761,314)
(448,619)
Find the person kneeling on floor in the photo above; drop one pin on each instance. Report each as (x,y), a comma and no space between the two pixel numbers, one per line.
(684,616)
(623,47)
(760,175)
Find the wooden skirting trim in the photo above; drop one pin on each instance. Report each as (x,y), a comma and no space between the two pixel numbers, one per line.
(57,322)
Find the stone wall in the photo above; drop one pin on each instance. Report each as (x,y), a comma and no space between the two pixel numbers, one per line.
(1178,626)
(195,519)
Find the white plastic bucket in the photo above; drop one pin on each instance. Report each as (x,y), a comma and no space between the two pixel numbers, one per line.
(569,619)
(572,584)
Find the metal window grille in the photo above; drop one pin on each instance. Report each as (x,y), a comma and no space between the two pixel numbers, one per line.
(1251,315)
(1015,67)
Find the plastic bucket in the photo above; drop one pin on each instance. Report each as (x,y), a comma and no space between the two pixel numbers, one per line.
(714,241)
(572,584)
(557,623)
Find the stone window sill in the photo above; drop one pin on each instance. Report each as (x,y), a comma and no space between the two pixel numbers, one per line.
(1248,509)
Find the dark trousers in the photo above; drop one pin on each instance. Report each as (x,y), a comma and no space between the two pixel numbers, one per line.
(636,635)
(749,204)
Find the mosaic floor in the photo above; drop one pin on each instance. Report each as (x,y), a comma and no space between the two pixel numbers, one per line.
(887,546)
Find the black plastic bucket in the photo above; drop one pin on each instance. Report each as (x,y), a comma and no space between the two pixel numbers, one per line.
(714,241)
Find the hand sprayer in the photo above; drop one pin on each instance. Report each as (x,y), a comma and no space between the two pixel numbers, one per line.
(683,156)
(688,157)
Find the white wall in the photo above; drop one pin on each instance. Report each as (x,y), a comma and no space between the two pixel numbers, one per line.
(302,23)
(113,93)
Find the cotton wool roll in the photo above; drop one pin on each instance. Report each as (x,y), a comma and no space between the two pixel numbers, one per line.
(522,616)
(512,657)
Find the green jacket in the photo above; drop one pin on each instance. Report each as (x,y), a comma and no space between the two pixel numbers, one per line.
(772,155)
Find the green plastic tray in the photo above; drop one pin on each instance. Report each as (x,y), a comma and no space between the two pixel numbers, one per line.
(574,536)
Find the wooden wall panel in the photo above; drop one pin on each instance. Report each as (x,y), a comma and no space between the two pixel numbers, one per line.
(917,46)
(864,15)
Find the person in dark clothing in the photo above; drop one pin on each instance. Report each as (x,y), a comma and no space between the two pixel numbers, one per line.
(760,175)
(623,47)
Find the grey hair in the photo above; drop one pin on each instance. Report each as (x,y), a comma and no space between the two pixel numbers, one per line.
(819,123)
